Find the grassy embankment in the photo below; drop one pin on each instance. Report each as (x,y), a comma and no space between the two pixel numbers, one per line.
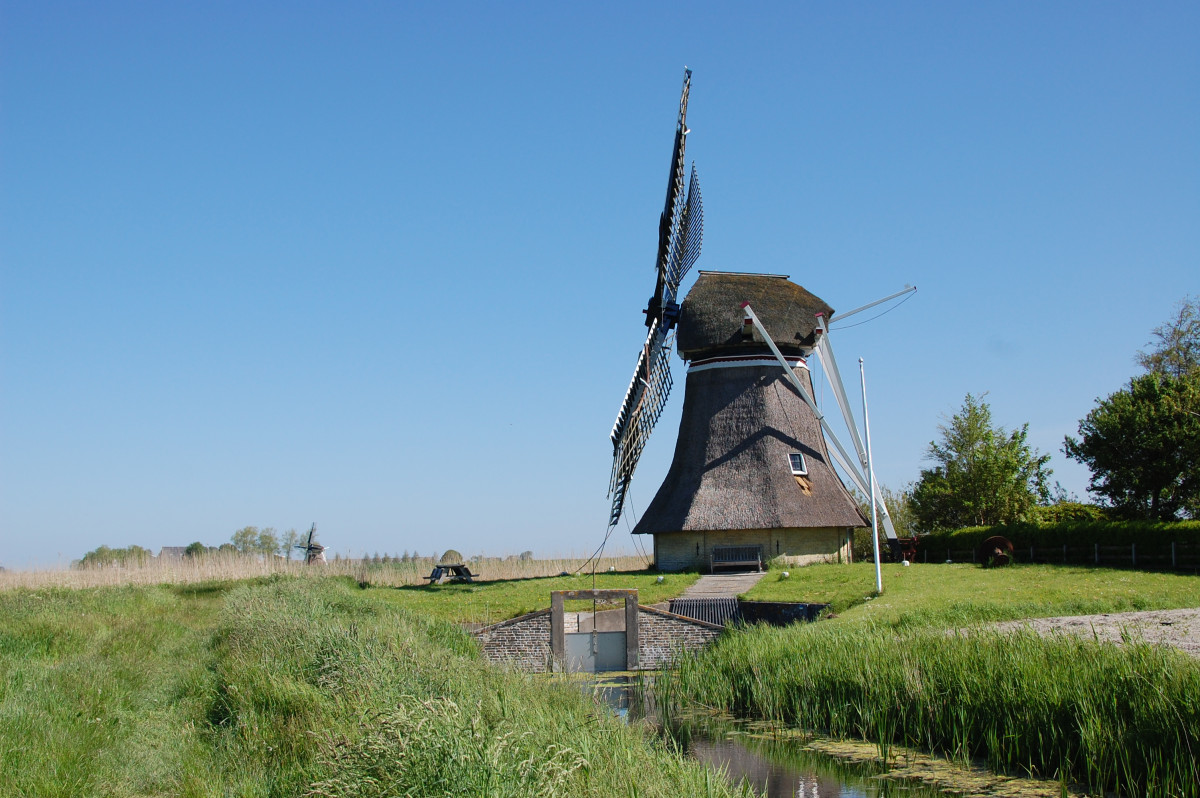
(886,669)
(285,686)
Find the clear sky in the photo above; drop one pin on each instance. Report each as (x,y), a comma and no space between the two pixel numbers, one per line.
(381,266)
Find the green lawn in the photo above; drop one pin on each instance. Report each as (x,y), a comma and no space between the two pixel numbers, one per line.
(491,602)
(920,595)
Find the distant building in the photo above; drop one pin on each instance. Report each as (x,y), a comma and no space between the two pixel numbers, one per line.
(172,552)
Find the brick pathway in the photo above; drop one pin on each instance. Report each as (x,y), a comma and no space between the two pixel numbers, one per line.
(723,585)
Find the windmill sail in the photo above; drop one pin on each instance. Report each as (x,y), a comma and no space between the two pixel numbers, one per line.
(680,232)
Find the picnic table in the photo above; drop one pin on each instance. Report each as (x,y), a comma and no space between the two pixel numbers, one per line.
(451,573)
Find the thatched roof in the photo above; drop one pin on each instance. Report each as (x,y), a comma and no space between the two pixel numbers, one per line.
(710,320)
(731,468)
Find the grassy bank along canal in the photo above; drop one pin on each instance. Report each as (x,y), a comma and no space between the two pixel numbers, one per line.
(1121,718)
(292,687)
(774,761)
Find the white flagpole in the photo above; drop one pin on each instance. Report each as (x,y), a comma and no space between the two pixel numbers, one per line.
(871,476)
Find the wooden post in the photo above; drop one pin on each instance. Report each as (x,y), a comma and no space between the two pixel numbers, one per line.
(1133,553)
(631,632)
(1064,554)
(1097,545)
(1031,553)
(1174,561)
(558,639)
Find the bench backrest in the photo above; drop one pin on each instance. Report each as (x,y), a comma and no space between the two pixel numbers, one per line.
(737,553)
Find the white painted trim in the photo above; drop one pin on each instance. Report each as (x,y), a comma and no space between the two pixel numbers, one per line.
(803,460)
(735,362)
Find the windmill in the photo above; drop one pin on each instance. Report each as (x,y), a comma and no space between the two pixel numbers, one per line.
(314,553)
(752,476)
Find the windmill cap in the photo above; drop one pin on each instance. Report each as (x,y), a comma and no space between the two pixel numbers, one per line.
(711,317)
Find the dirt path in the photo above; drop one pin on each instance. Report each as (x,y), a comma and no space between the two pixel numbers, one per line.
(1179,628)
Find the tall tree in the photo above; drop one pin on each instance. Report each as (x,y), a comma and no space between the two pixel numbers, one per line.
(1142,445)
(246,539)
(290,539)
(984,474)
(268,542)
(1176,350)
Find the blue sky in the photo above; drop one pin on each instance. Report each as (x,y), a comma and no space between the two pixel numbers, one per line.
(380,266)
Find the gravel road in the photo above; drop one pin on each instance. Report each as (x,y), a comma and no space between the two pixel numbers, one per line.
(1179,628)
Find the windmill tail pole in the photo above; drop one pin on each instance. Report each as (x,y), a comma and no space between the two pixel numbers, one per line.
(824,350)
(862,373)
(839,453)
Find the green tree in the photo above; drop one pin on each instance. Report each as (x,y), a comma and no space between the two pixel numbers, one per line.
(900,508)
(290,539)
(1176,352)
(268,542)
(105,556)
(1142,445)
(246,539)
(984,474)
(195,550)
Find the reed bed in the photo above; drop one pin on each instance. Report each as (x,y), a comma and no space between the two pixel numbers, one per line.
(1122,718)
(222,567)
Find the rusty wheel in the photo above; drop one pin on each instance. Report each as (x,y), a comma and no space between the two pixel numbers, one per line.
(994,552)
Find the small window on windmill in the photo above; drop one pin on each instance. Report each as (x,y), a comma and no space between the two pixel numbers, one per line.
(799,467)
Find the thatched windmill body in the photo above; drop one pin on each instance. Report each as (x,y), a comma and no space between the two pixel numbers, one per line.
(751,466)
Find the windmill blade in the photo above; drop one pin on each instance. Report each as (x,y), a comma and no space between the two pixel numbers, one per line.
(680,228)
(687,238)
(644,403)
(668,222)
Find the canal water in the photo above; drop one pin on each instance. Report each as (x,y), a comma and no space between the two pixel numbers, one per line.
(773,768)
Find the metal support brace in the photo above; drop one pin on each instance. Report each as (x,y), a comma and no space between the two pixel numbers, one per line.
(839,453)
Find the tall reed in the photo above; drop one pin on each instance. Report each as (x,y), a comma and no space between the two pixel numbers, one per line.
(1123,718)
(223,566)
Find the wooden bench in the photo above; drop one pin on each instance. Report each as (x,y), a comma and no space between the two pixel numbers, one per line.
(735,557)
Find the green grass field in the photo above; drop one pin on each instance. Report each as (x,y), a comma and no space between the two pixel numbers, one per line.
(962,594)
(284,686)
(491,602)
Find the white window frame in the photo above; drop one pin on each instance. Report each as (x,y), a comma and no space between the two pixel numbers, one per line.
(803,470)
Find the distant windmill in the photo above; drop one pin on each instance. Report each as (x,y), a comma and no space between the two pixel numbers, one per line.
(314,553)
(752,477)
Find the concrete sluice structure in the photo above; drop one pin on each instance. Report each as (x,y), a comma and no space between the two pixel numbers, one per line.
(630,639)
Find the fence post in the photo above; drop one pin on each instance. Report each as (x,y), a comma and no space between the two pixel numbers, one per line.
(1064,554)
(1173,559)
(1133,553)
(1031,553)
(1097,545)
